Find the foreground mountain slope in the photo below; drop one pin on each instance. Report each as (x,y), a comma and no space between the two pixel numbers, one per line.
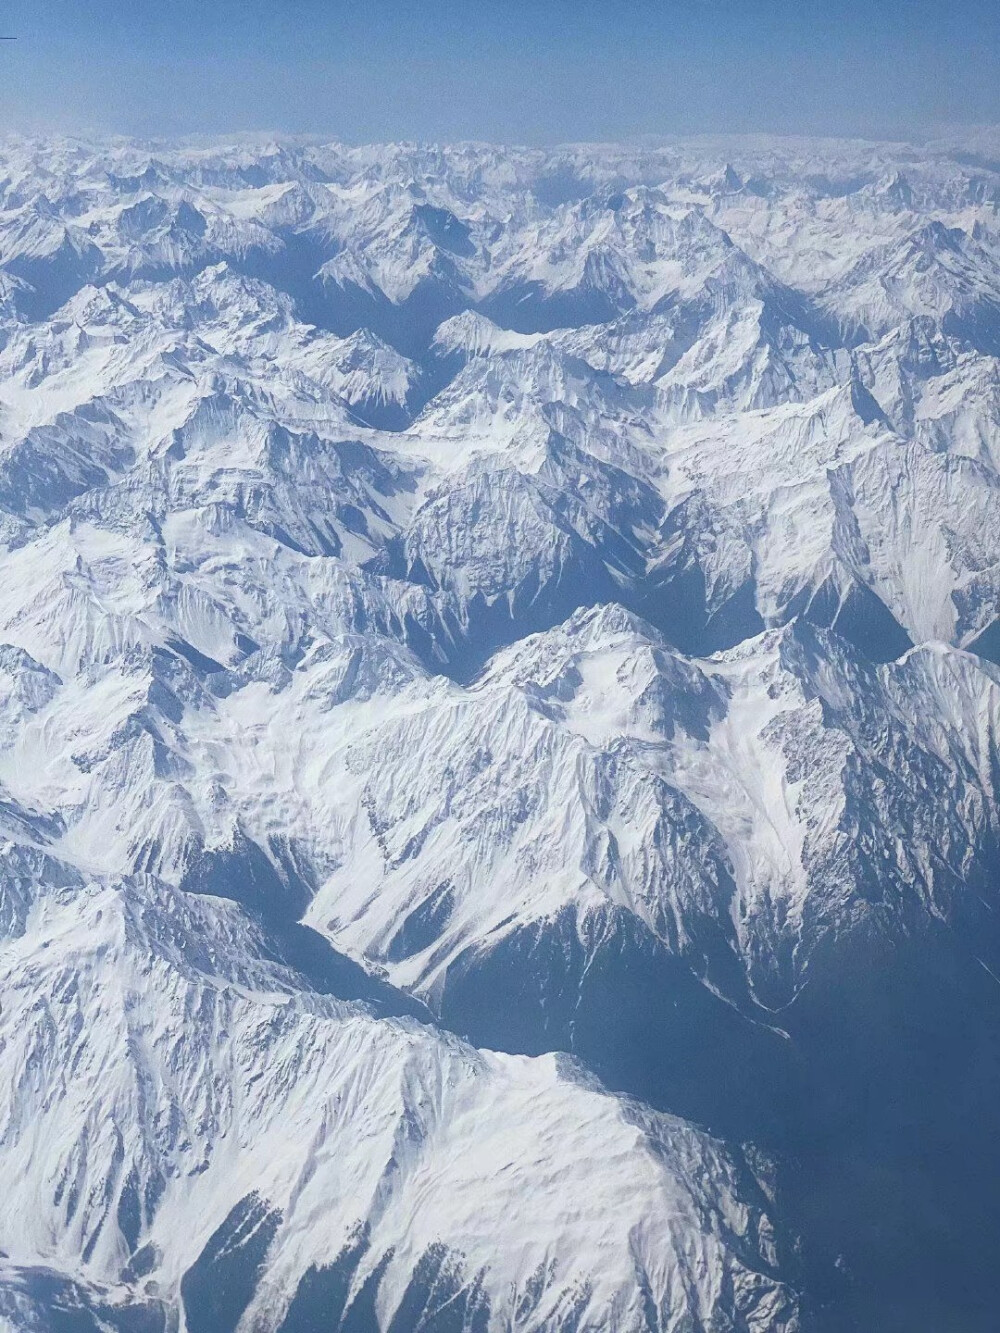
(270,1153)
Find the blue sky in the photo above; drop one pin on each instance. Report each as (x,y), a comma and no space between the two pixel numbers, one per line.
(505,70)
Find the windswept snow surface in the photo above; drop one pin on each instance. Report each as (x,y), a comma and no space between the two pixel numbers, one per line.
(499,737)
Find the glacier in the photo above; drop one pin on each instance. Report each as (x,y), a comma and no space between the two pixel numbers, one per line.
(499,736)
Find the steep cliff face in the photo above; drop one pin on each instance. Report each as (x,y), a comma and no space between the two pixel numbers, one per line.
(499,778)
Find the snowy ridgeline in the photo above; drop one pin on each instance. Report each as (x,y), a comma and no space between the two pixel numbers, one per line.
(499,774)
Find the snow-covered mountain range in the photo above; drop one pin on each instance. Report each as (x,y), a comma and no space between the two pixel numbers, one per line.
(499,737)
